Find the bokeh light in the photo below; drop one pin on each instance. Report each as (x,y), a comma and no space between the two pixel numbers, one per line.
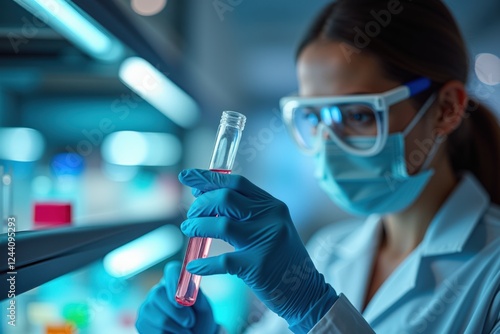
(487,68)
(148,7)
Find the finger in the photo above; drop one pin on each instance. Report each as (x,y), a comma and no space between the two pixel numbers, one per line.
(222,228)
(196,192)
(153,319)
(228,203)
(206,180)
(171,274)
(222,264)
(157,323)
(202,306)
(144,326)
(205,322)
(167,307)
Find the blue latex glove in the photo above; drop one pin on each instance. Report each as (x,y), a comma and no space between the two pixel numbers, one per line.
(161,314)
(269,255)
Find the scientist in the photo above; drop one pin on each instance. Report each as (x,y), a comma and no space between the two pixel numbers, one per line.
(384,111)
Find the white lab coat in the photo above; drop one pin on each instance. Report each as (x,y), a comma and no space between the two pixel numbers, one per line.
(449,284)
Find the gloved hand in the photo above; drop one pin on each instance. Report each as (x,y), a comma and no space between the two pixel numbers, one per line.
(269,255)
(161,314)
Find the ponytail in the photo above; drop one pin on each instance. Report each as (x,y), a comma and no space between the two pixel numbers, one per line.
(475,146)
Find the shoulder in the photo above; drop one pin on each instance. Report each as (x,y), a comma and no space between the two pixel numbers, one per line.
(323,246)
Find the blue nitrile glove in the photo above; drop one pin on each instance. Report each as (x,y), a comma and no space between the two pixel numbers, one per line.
(161,314)
(269,255)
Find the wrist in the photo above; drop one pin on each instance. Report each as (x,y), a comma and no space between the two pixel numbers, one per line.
(316,310)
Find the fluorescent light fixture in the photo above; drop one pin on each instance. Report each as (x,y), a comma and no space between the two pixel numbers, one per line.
(154,87)
(76,26)
(144,252)
(119,173)
(130,148)
(21,144)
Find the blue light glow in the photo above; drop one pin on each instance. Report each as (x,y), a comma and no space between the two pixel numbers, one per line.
(67,164)
(154,87)
(222,291)
(41,186)
(130,148)
(21,144)
(75,26)
(144,252)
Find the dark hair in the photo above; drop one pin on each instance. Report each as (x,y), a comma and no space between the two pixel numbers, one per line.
(411,39)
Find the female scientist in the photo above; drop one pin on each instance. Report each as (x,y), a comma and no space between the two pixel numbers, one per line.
(384,111)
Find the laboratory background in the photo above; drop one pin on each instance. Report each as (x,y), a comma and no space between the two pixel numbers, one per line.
(104,102)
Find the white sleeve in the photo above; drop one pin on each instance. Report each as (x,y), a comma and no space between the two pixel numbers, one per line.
(342,318)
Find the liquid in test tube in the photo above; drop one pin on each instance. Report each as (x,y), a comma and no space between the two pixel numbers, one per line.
(226,146)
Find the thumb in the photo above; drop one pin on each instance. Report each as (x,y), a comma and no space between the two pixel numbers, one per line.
(205,322)
(203,180)
(202,305)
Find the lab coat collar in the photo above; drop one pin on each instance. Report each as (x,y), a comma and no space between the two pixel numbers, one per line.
(356,253)
(447,233)
(453,224)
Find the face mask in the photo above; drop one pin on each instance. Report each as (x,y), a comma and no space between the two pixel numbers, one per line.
(376,184)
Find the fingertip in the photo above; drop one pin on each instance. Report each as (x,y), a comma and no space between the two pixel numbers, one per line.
(171,276)
(185,226)
(202,304)
(183,174)
(194,266)
(196,192)
(171,268)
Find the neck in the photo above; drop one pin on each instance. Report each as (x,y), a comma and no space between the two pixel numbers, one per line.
(403,231)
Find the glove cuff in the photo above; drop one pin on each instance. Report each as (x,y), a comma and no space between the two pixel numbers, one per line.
(318,309)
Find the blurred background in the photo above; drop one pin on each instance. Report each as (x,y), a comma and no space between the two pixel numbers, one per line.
(104,102)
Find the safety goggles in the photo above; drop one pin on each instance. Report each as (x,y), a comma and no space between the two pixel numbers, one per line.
(343,119)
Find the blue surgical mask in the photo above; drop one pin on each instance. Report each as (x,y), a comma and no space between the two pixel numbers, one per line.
(376,184)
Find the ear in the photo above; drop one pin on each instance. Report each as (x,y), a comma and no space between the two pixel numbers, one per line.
(452,102)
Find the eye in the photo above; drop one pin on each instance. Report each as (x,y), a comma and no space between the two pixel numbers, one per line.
(359,115)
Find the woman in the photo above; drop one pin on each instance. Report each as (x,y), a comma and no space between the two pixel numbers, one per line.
(384,110)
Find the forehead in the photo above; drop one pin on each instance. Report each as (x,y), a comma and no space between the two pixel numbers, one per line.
(331,68)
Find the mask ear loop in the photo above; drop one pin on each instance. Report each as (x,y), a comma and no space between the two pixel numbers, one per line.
(416,119)
(425,107)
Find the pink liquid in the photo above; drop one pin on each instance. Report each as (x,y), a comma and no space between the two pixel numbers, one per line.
(189,284)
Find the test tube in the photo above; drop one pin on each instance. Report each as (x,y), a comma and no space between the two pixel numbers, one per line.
(226,146)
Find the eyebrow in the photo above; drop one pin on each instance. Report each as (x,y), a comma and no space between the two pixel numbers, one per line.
(348,94)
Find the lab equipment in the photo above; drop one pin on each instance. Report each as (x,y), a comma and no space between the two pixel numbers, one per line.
(269,255)
(45,254)
(226,146)
(52,214)
(6,198)
(311,119)
(160,313)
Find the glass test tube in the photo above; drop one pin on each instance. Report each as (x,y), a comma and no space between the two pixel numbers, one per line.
(226,146)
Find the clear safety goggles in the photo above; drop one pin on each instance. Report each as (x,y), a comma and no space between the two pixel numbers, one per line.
(312,120)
